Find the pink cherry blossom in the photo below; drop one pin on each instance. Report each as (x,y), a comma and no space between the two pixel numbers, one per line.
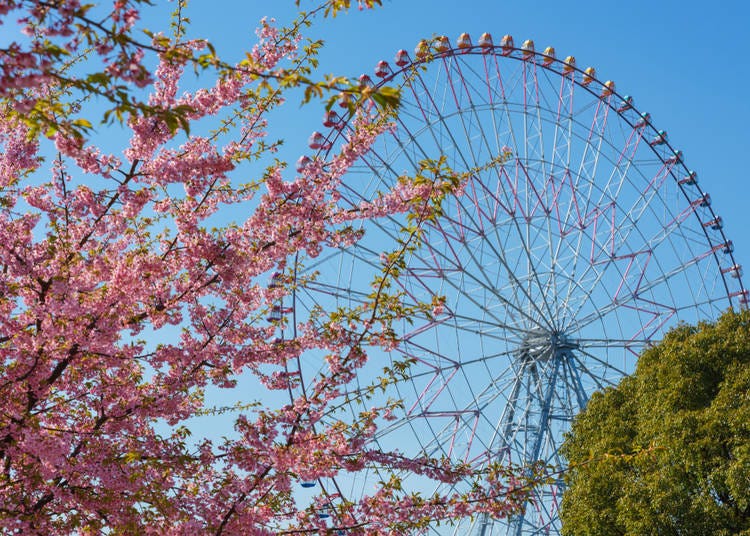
(135,282)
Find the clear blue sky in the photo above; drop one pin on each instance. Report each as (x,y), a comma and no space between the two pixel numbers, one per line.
(685,62)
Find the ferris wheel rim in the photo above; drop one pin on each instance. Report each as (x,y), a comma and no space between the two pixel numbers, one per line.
(577,74)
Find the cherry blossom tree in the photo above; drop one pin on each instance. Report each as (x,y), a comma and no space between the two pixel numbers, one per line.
(125,295)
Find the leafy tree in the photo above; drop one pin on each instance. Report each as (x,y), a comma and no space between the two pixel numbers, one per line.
(668,450)
(127,290)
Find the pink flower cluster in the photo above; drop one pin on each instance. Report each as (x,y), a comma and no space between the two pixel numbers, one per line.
(128,290)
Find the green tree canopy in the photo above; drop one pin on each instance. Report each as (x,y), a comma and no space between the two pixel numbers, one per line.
(668,450)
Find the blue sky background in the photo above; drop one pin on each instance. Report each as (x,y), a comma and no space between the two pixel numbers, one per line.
(685,62)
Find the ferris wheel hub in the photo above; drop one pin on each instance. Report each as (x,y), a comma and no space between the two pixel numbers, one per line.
(544,345)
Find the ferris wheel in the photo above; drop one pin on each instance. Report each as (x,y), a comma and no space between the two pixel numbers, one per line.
(579,238)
